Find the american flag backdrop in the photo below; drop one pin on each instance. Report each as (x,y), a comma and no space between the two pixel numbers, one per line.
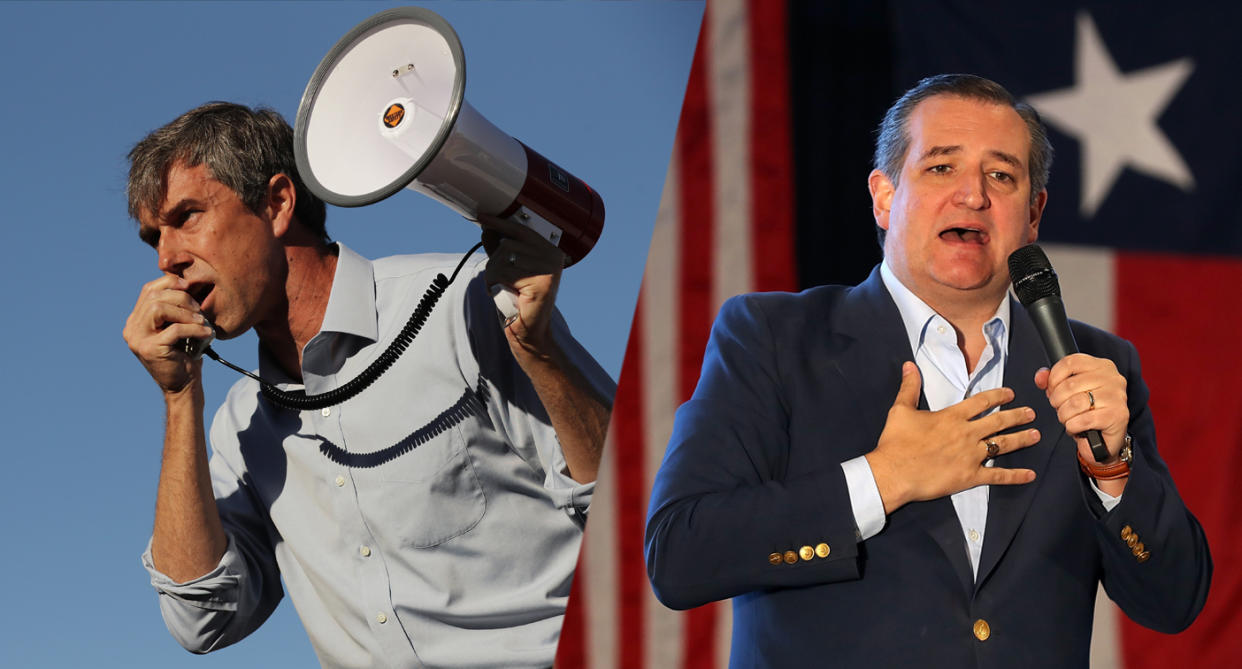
(766,190)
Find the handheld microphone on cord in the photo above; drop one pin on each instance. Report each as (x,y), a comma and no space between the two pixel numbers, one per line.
(1036,286)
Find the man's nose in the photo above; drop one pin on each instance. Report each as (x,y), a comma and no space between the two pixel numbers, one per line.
(172,258)
(972,192)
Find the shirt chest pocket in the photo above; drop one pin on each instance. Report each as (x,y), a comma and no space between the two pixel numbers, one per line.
(432,492)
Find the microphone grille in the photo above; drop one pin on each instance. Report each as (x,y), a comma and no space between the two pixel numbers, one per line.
(1032,275)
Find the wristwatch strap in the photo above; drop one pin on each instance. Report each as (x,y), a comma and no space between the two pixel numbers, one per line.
(1109,472)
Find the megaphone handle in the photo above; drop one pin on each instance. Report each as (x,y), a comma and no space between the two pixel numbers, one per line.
(506,300)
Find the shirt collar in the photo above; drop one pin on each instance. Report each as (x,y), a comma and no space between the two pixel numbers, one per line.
(350,310)
(351,305)
(915,314)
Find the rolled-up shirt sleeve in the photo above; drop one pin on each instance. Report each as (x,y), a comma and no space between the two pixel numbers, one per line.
(199,612)
(229,602)
(566,493)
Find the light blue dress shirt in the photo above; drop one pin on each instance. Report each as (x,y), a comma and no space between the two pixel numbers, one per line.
(455,552)
(945,382)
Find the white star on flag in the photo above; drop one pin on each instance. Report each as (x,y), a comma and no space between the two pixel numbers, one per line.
(1114,116)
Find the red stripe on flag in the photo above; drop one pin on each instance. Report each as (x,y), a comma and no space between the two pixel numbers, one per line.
(571,650)
(695,232)
(695,316)
(1188,343)
(772,195)
(628,475)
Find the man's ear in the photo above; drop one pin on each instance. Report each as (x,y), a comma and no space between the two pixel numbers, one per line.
(282,198)
(1037,213)
(881,197)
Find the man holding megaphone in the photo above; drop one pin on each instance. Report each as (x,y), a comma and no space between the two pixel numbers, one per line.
(422,500)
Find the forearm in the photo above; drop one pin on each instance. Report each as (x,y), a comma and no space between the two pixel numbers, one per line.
(578,414)
(725,511)
(188,540)
(709,547)
(1162,581)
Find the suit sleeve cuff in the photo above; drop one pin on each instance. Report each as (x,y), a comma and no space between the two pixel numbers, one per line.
(865,498)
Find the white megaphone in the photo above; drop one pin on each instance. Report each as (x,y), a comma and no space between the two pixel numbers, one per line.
(385,111)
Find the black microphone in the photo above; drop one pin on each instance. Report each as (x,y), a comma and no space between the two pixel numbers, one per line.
(1035,283)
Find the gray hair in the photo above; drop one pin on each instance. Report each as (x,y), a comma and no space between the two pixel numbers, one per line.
(244,148)
(893,140)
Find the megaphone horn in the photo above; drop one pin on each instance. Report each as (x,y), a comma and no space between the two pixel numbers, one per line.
(385,111)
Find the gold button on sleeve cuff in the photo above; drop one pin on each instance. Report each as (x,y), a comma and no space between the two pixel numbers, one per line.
(1143,557)
(1132,541)
(982,630)
(1126,532)
(805,553)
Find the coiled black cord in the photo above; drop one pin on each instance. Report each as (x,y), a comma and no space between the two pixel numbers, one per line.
(299,401)
(471,403)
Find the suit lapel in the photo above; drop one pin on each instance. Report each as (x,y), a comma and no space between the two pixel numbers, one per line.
(1007,505)
(871,365)
(872,372)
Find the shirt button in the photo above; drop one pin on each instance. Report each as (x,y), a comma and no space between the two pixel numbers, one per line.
(940,329)
(340,481)
(974,535)
(365,550)
(327,411)
(381,618)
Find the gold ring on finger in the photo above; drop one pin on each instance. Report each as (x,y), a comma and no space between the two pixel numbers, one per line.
(993,448)
(1091,399)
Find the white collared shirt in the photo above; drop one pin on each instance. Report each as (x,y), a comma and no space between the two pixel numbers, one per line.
(450,545)
(945,382)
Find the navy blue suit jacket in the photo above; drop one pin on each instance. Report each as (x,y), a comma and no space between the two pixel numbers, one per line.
(795,384)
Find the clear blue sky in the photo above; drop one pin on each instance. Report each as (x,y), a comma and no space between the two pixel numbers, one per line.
(596,87)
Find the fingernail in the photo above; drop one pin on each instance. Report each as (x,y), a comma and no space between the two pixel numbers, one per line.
(1030,413)
(1033,434)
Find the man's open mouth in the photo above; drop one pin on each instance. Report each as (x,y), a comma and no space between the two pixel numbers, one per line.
(200,292)
(968,235)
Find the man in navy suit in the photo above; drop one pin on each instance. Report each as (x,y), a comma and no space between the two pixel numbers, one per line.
(891,474)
